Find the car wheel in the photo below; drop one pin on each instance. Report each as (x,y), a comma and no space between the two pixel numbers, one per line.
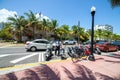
(74,43)
(27,50)
(33,48)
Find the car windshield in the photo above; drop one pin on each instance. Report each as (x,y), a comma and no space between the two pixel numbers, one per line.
(101,43)
(116,42)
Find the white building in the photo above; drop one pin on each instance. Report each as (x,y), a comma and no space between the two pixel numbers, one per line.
(104,27)
(1,25)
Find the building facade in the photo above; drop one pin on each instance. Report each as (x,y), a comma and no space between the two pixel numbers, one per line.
(104,27)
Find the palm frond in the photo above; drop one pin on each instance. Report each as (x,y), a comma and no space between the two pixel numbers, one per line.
(115,3)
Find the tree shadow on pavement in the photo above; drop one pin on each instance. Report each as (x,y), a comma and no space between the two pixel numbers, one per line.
(10,76)
(80,73)
(100,76)
(106,60)
(46,72)
(37,73)
(113,55)
(112,61)
(99,59)
(83,73)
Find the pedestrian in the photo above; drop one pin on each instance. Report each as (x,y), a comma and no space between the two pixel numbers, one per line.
(57,50)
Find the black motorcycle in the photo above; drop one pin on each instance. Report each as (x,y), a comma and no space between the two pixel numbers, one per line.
(48,54)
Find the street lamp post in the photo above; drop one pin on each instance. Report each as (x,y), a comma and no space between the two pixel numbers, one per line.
(78,31)
(91,56)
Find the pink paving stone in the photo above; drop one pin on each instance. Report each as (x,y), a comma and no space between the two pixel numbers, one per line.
(104,68)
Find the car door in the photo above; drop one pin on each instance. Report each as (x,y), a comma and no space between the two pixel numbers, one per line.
(39,44)
(111,47)
(43,44)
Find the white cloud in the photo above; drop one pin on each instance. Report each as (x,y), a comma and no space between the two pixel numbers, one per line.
(4,14)
(41,16)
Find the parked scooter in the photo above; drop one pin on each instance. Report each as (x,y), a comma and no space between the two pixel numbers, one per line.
(87,50)
(77,52)
(48,54)
(62,54)
(97,51)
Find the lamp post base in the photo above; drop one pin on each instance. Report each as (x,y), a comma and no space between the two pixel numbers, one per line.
(91,58)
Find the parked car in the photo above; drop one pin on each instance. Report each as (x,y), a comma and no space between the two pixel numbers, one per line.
(117,43)
(66,42)
(37,44)
(106,46)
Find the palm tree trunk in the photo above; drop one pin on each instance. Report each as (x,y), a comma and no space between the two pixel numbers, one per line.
(33,32)
(20,34)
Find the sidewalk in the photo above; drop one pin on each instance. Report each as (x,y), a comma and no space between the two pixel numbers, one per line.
(11,44)
(104,68)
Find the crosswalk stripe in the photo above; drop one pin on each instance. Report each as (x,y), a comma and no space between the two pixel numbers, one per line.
(41,57)
(23,58)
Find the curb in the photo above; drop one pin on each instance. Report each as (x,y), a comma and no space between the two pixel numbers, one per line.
(35,64)
(32,64)
(26,66)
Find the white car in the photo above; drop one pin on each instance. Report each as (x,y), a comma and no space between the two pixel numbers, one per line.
(37,44)
(69,42)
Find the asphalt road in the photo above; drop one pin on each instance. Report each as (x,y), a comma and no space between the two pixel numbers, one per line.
(12,50)
(11,56)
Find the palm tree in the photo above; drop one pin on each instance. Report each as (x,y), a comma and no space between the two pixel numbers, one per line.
(107,34)
(65,30)
(89,33)
(115,37)
(75,30)
(114,3)
(99,33)
(54,26)
(6,32)
(46,27)
(17,22)
(60,33)
(83,34)
(32,21)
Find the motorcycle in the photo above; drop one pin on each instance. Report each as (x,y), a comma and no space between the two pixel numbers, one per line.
(48,54)
(87,50)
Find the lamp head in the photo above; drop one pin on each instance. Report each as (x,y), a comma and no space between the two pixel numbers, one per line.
(93,9)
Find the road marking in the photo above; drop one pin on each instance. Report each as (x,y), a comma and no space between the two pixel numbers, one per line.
(4,55)
(23,58)
(19,54)
(41,57)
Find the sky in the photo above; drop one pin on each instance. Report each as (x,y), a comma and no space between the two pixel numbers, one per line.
(66,11)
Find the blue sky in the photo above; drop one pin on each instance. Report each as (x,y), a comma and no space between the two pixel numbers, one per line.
(68,11)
